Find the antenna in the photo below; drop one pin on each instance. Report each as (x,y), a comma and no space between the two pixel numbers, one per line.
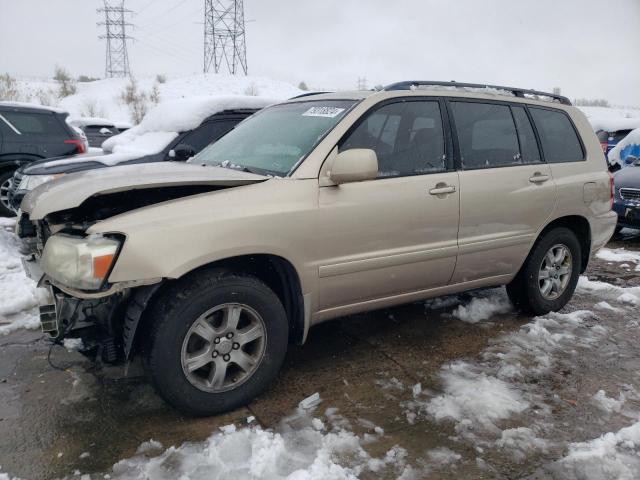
(224,36)
(117,58)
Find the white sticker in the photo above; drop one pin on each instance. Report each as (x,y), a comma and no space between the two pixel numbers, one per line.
(328,112)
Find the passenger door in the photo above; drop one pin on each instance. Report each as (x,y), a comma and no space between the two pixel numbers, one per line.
(395,234)
(507,191)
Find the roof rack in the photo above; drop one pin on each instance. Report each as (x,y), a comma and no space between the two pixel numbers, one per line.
(307,94)
(517,92)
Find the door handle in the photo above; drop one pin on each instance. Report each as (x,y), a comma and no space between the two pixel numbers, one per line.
(538,178)
(442,189)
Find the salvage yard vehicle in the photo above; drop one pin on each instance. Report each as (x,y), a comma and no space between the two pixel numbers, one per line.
(174,130)
(29,133)
(627,197)
(97,129)
(313,209)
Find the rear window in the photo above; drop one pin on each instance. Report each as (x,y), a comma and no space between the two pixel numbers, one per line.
(34,123)
(560,142)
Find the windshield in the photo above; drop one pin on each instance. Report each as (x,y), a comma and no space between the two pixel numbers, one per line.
(274,140)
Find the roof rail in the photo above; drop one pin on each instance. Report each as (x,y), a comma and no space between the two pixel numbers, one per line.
(517,92)
(307,94)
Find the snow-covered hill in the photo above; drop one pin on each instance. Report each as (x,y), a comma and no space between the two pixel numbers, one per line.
(101,98)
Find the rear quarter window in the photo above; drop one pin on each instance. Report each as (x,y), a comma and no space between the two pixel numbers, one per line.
(560,142)
(34,123)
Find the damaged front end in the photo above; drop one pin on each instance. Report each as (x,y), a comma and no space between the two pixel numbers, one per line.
(74,266)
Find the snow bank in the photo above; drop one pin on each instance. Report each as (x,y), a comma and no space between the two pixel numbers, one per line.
(619,255)
(613,456)
(612,119)
(19,294)
(607,291)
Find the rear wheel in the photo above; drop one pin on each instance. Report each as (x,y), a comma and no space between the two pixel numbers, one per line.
(5,184)
(549,276)
(217,340)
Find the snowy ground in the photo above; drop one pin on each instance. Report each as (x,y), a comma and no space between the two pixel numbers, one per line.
(102,97)
(457,387)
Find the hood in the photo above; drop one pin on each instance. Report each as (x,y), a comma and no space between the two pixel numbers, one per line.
(627,178)
(54,165)
(72,190)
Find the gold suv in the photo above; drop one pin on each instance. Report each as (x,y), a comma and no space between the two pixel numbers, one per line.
(316,208)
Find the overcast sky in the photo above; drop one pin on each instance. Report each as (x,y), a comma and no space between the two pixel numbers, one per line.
(589,48)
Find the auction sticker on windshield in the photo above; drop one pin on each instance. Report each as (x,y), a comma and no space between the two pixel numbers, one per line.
(328,112)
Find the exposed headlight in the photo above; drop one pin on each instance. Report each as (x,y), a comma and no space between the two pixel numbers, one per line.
(82,263)
(29,182)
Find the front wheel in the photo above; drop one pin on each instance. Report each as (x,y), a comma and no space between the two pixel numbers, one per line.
(549,276)
(5,185)
(217,340)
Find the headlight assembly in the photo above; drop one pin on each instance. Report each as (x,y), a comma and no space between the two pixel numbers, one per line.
(29,182)
(82,263)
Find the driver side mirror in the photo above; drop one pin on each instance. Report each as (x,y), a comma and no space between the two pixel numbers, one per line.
(182,152)
(355,165)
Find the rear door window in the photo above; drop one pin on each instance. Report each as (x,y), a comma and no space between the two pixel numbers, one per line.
(208,133)
(528,145)
(34,123)
(487,135)
(560,142)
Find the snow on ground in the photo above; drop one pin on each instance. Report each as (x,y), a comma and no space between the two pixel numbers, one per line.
(484,306)
(303,447)
(101,98)
(619,255)
(614,455)
(19,294)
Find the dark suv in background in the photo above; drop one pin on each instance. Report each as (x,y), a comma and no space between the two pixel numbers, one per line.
(29,133)
(186,145)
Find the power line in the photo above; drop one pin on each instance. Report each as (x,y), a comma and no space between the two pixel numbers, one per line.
(117,57)
(224,36)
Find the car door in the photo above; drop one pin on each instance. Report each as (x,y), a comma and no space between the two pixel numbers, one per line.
(398,233)
(507,190)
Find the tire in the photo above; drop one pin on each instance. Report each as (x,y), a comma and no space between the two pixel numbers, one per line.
(5,209)
(174,344)
(617,231)
(526,291)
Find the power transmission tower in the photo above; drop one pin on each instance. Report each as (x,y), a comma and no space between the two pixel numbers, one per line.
(117,58)
(224,36)
(362,83)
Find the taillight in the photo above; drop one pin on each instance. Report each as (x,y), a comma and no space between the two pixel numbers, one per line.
(613,190)
(78,143)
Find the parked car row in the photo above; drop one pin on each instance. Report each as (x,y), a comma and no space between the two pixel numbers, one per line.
(156,139)
(29,133)
(308,210)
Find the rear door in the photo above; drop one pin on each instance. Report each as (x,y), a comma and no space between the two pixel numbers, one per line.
(507,190)
(395,234)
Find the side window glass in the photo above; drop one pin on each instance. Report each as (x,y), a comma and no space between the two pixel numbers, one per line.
(559,139)
(34,123)
(486,135)
(207,133)
(408,138)
(528,146)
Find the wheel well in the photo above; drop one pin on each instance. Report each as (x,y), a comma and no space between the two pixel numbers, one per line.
(579,226)
(277,273)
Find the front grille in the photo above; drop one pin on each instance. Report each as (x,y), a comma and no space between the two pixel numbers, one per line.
(630,194)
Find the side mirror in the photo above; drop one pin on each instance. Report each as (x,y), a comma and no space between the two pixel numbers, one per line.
(355,165)
(181,152)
